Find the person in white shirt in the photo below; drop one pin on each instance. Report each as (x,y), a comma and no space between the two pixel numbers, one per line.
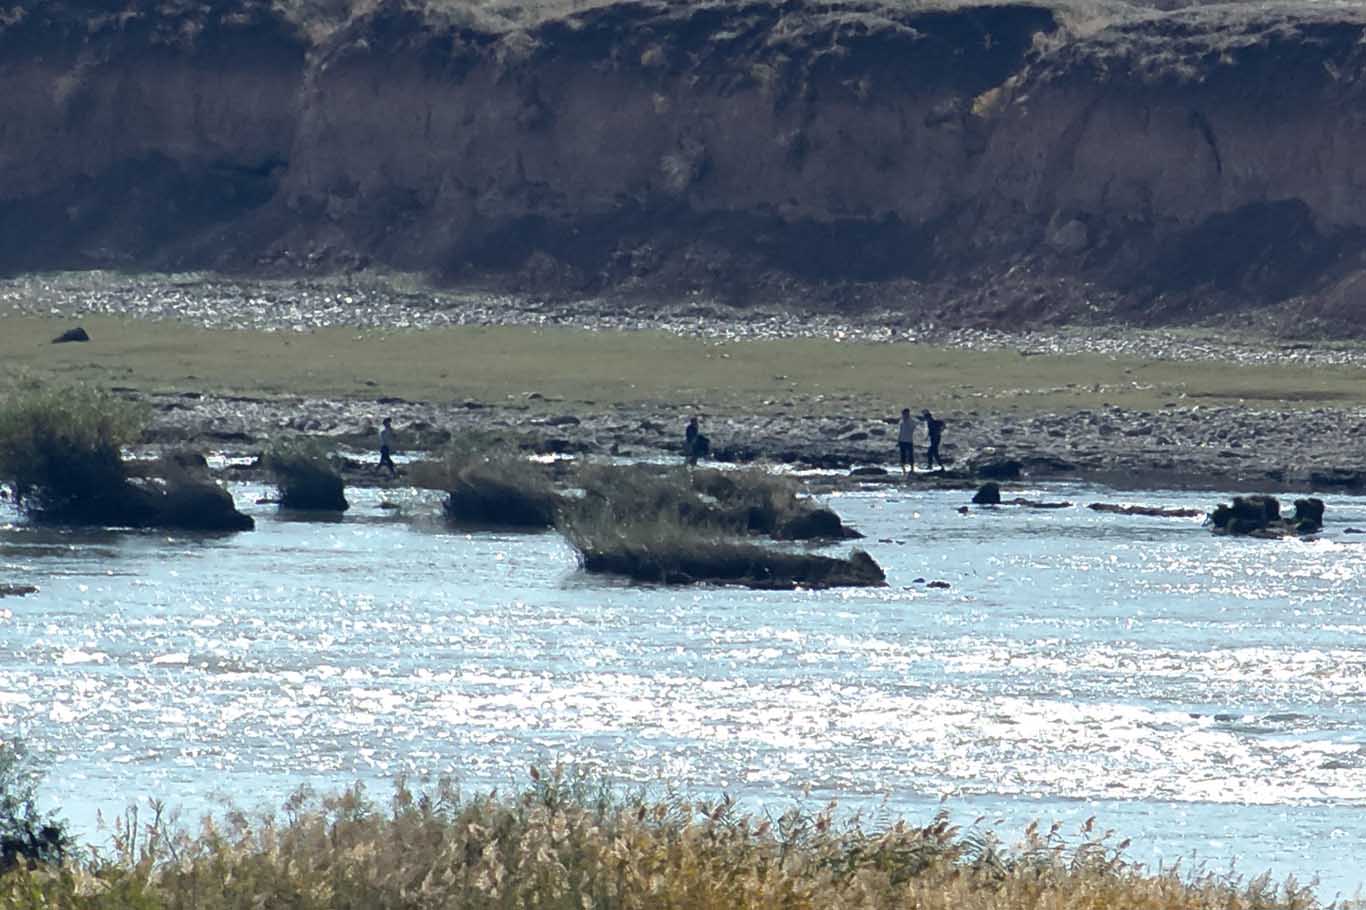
(905,442)
(386,446)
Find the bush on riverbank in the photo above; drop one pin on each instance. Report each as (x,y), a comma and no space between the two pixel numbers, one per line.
(490,483)
(60,447)
(27,835)
(306,477)
(569,844)
(61,450)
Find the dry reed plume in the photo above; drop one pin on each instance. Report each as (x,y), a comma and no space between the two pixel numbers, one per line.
(565,843)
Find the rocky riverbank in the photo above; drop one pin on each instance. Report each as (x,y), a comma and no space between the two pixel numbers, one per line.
(1193,447)
(1268,443)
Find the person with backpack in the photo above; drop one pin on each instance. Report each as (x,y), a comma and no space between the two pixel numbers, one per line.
(935,430)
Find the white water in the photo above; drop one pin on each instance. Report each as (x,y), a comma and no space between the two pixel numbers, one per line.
(1204,696)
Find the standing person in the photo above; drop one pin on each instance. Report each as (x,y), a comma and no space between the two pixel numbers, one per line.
(694,443)
(935,430)
(386,446)
(905,442)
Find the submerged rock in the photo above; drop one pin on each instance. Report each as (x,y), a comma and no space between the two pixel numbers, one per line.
(815,524)
(17,590)
(736,564)
(1151,511)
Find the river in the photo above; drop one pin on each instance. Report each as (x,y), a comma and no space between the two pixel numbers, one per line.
(1203,696)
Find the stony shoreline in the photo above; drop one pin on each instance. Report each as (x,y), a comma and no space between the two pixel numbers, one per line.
(1272,446)
(1222,449)
(406,302)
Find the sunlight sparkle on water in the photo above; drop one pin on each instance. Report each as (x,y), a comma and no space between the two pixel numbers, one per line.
(1191,690)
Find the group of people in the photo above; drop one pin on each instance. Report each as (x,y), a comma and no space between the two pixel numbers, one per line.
(696,445)
(905,440)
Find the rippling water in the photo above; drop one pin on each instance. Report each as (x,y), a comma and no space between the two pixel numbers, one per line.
(1204,696)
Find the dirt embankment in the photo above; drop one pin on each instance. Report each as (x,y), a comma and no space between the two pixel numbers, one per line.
(1011,163)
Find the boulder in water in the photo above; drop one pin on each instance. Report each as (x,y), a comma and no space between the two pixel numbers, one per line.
(1260,516)
(486,500)
(815,524)
(1308,515)
(989,494)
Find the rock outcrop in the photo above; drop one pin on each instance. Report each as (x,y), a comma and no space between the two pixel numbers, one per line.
(736,564)
(1260,516)
(978,162)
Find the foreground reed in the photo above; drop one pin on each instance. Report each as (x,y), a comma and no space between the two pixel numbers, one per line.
(566,843)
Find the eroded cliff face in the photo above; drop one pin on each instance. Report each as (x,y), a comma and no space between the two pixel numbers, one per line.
(974,163)
(128,136)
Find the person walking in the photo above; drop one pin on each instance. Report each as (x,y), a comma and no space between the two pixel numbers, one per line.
(905,442)
(387,444)
(934,429)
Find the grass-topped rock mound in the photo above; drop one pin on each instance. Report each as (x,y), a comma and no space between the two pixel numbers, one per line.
(490,483)
(770,504)
(667,551)
(673,526)
(307,479)
(61,451)
(737,502)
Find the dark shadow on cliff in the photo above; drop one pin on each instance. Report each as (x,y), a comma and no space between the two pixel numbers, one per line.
(148,213)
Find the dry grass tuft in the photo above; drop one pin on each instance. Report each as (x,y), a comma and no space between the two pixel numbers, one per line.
(566,844)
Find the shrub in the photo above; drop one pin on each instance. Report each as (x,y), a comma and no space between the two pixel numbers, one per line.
(764,500)
(60,448)
(306,477)
(751,501)
(27,836)
(644,493)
